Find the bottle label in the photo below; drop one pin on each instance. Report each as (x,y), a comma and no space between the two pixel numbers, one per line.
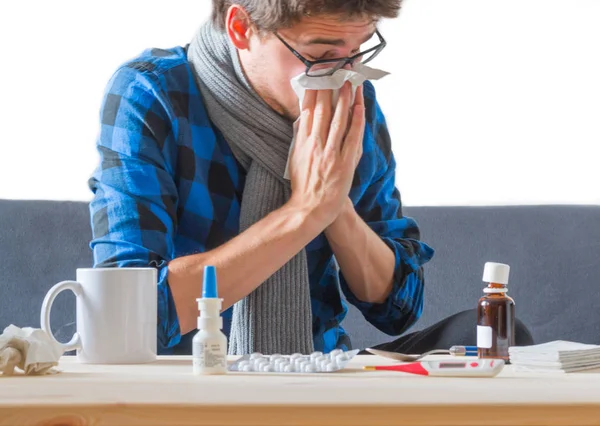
(208,356)
(484,336)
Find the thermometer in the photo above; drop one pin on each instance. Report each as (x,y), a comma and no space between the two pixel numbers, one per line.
(474,368)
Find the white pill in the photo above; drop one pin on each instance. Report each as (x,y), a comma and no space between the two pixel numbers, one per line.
(336,352)
(266,368)
(332,367)
(309,368)
(339,365)
(315,355)
(288,369)
(296,355)
(247,368)
(342,357)
(256,355)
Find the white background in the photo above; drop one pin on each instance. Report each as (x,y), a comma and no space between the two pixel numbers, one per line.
(490,102)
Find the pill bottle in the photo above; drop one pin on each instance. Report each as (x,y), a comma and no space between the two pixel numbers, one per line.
(209,346)
(495,314)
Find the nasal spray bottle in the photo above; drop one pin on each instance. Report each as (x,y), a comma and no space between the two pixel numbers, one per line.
(210,344)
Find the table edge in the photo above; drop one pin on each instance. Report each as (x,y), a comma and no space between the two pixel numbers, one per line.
(305,414)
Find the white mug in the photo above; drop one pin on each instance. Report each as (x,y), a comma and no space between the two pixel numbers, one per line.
(116,315)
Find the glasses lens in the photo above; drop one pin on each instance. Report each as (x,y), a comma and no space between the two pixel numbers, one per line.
(367,56)
(373,45)
(325,68)
(372,48)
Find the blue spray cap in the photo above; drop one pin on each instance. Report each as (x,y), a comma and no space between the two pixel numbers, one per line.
(209,287)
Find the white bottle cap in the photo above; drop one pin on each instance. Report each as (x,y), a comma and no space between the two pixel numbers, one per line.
(496,273)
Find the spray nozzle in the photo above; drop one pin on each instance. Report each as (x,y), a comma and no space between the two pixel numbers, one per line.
(209,286)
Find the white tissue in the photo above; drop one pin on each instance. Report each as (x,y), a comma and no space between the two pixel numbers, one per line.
(29,349)
(355,76)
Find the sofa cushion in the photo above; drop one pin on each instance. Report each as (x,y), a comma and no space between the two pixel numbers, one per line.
(41,244)
(553,251)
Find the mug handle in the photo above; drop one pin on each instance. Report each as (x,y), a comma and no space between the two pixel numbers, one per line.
(75,287)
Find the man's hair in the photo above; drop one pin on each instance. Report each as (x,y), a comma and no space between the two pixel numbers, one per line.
(271,15)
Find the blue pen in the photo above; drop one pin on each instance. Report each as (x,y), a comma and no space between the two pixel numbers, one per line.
(454,351)
(463,350)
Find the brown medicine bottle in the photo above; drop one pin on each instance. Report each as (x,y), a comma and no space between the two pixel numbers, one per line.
(495,314)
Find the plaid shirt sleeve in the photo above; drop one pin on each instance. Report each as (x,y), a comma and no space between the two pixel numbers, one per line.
(380,207)
(133,211)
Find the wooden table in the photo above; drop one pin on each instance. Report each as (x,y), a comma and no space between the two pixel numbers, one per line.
(166,393)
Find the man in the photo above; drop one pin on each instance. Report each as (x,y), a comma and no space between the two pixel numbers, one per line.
(194,142)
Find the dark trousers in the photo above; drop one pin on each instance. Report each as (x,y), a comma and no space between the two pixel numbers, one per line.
(458,329)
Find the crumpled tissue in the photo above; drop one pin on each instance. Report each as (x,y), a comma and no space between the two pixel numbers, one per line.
(356,76)
(30,349)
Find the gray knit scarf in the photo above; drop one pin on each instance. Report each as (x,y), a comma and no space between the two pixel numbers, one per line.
(277,316)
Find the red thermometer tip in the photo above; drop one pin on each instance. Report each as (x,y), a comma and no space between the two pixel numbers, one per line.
(413,368)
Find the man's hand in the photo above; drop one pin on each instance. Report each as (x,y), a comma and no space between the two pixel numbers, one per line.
(322,166)
(326,152)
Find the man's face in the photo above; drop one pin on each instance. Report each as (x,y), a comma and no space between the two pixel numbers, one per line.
(270,65)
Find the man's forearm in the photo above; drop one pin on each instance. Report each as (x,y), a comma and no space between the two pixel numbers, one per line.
(365,260)
(243,263)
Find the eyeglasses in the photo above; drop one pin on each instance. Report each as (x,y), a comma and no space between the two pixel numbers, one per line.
(325,67)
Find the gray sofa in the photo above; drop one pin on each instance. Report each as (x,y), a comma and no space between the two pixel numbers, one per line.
(554,253)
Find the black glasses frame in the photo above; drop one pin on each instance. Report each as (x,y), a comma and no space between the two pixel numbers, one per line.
(341,61)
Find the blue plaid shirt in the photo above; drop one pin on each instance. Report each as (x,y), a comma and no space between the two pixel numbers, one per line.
(168,186)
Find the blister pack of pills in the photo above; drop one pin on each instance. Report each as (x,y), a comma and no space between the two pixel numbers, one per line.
(316,362)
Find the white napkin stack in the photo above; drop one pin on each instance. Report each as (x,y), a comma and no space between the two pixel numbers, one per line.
(29,349)
(559,356)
